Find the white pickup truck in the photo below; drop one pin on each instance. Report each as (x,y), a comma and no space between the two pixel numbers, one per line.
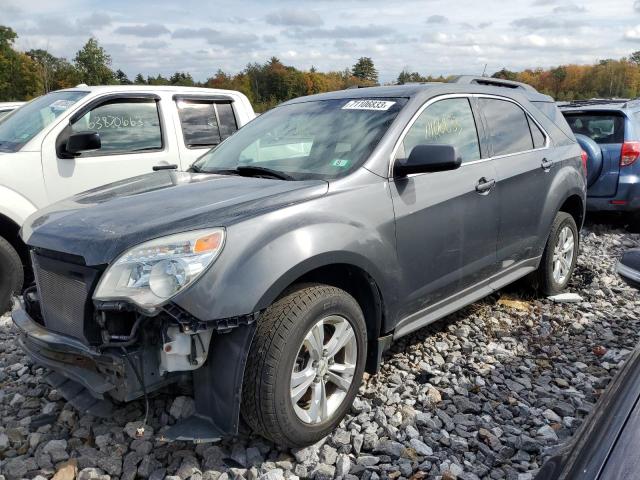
(76,139)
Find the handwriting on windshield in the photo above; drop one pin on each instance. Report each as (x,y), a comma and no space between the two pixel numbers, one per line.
(115,121)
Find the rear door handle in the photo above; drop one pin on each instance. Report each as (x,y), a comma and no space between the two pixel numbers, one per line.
(546,164)
(157,168)
(484,186)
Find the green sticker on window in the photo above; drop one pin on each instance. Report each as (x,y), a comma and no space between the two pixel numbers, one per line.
(340,162)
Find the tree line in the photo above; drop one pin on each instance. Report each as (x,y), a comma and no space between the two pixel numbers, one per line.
(25,75)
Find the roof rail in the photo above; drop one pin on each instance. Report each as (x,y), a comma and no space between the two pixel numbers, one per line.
(492,82)
(597,101)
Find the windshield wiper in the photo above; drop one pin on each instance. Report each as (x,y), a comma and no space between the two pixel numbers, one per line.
(249,169)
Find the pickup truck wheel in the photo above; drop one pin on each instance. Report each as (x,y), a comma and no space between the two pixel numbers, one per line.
(11,274)
(560,255)
(305,366)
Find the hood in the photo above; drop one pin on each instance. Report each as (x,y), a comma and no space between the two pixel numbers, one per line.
(102,223)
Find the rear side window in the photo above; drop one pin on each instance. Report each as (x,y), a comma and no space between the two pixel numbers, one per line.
(125,125)
(205,123)
(601,127)
(552,112)
(508,126)
(537,135)
(448,122)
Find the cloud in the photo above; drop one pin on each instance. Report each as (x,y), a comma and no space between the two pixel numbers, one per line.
(153,44)
(148,30)
(351,31)
(441,19)
(95,20)
(632,34)
(544,23)
(543,3)
(216,37)
(295,17)
(482,25)
(56,26)
(636,6)
(569,8)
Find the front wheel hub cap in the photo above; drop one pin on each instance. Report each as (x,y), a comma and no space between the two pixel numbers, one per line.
(324,368)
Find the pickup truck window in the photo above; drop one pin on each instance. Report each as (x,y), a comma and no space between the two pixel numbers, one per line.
(126,125)
(317,139)
(205,123)
(31,119)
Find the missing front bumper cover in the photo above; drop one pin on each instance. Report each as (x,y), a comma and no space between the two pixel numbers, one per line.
(89,378)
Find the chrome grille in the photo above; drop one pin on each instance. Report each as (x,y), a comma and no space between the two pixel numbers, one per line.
(64,296)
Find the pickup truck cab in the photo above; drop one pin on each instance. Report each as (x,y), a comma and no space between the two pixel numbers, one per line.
(77,139)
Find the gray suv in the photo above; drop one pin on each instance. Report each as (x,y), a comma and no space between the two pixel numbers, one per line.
(277,270)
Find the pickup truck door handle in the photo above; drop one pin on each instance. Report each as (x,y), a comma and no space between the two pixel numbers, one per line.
(157,168)
(546,164)
(484,186)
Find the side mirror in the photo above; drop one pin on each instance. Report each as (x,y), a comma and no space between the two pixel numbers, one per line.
(629,268)
(82,142)
(428,158)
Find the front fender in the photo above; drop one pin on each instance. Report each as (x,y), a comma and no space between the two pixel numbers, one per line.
(263,256)
(15,206)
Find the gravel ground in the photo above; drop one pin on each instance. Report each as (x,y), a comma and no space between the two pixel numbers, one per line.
(486,393)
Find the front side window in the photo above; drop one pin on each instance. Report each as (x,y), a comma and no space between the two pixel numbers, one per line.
(446,122)
(316,139)
(25,123)
(125,125)
(508,126)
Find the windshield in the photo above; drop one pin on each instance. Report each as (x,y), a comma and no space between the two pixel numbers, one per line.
(318,139)
(29,120)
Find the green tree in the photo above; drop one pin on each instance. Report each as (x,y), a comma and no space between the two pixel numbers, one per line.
(19,79)
(181,78)
(139,80)
(505,74)
(93,63)
(122,78)
(410,77)
(635,57)
(365,70)
(558,74)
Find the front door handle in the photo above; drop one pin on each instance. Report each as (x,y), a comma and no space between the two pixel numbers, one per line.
(484,186)
(546,164)
(157,168)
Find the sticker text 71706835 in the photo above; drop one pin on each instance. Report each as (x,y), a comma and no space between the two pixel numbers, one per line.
(368,104)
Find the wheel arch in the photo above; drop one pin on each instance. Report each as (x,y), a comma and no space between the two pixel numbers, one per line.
(574,206)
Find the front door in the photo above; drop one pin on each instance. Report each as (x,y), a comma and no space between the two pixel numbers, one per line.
(446,222)
(133,142)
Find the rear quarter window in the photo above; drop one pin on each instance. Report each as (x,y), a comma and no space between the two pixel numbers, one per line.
(552,112)
(601,127)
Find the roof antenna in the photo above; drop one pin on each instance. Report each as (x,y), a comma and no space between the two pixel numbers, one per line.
(484,72)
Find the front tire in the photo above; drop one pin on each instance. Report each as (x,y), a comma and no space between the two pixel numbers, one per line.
(11,274)
(305,365)
(560,255)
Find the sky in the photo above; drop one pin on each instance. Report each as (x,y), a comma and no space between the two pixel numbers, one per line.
(431,37)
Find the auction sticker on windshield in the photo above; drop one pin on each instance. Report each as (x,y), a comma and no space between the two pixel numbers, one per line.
(368,105)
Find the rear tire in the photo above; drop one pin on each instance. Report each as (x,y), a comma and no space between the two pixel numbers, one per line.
(558,260)
(282,354)
(11,274)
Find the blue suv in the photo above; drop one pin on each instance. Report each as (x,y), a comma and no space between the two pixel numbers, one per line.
(609,132)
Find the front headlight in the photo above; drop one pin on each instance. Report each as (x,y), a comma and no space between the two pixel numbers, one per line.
(151,273)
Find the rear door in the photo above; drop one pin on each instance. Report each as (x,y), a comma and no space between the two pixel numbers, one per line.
(446,222)
(203,122)
(607,129)
(525,169)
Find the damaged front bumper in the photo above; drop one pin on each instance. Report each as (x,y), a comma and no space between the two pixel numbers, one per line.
(92,378)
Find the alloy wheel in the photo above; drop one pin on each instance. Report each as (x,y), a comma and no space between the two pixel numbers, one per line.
(323,370)
(563,255)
